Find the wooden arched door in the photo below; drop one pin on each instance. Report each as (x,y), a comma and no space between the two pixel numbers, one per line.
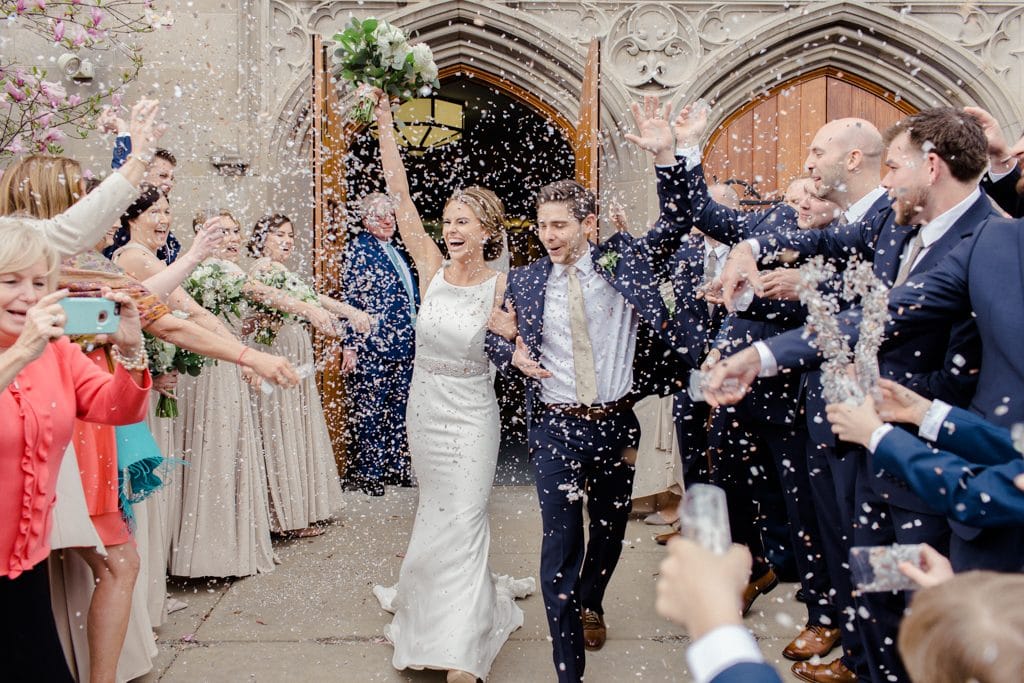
(764,143)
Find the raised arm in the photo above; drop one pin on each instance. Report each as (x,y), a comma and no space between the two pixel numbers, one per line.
(163,282)
(421,247)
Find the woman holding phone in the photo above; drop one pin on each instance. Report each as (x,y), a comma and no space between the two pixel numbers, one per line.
(46,382)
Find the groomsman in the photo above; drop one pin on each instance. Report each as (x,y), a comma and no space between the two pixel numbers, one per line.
(578,313)
(935,160)
(377,278)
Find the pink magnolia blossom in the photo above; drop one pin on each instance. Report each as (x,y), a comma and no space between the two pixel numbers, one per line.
(80,36)
(74,100)
(20,6)
(15,94)
(96,14)
(58,31)
(16,147)
(20,77)
(116,99)
(53,92)
(45,120)
(41,4)
(49,135)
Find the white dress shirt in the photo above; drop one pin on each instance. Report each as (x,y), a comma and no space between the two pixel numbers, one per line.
(611,325)
(720,649)
(931,232)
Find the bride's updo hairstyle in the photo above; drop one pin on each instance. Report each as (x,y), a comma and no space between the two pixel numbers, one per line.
(489,210)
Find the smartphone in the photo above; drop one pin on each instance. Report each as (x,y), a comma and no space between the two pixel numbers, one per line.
(876,569)
(90,315)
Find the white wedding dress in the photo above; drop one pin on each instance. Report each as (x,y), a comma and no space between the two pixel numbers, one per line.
(450,611)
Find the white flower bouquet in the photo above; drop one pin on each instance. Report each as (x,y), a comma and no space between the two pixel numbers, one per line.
(165,357)
(217,289)
(269,320)
(375,54)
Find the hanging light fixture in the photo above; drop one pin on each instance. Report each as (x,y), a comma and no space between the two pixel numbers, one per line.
(426,122)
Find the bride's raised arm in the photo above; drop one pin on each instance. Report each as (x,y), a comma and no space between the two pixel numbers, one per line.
(420,245)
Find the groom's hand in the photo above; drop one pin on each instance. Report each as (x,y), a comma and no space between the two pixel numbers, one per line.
(503,323)
(527,365)
(654,133)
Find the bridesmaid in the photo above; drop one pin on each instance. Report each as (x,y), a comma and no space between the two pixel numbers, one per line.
(225,514)
(303,477)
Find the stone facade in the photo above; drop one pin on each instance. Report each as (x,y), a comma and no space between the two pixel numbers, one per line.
(236,75)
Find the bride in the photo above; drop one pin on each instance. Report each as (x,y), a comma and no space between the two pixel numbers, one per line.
(453,432)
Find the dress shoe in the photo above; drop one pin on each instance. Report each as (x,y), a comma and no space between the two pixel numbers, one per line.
(833,672)
(759,586)
(814,641)
(662,539)
(594,630)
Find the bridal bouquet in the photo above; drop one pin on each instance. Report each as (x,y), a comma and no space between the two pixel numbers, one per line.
(269,320)
(216,289)
(859,281)
(165,357)
(375,54)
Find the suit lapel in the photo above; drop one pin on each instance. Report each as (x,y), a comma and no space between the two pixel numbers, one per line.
(962,229)
(531,315)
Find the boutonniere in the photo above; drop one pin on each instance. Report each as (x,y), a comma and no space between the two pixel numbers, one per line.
(668,295)
(608,261)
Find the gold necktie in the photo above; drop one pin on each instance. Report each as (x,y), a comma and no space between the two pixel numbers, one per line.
(915,248)
(582,351)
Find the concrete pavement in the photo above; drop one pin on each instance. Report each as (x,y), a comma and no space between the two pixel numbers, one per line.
(315,619)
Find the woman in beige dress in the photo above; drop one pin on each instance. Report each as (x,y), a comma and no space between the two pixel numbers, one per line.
(301,471)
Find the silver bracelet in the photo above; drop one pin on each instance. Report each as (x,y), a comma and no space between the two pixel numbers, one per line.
(138,362)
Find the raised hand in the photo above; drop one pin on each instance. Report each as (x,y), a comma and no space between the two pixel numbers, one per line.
(998,150)
(348,361)
(654,133)
(522,359)
(208,238)
(701,590)
(360,322)
(109,122)
(730,379)
(690,125)
(617,214)
(900,404)
(504,323)
(128,336)
(145,127)
(740,270)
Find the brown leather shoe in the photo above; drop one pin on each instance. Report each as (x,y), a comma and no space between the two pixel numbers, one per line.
(760,586)
(662,539)
(833,672)
(594,630)
(813,641)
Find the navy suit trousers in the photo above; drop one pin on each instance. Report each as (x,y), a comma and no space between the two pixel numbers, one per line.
(576,458)
(379,392)
(832,473)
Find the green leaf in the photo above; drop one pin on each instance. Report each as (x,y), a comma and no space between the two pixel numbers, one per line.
(369,26)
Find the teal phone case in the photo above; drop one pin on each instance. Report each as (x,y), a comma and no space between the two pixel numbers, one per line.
(90,316)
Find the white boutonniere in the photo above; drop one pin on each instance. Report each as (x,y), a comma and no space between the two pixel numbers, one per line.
(668,295)
(608,261)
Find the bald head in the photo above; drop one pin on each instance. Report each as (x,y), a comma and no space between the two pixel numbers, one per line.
(845,160)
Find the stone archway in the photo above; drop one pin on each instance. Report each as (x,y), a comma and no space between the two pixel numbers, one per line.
(893,51)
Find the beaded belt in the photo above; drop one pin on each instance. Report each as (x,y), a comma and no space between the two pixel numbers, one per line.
(453,368)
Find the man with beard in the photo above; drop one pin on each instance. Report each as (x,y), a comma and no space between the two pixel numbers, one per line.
(935,160)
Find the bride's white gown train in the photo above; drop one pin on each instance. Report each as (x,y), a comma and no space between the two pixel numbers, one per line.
(450,611)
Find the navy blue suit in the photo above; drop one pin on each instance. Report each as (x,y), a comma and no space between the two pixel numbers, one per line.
(748,672)
(379,387)
(1005,192)
(982,276)
(573,454)
(978,495)
(886,511)
(766,422)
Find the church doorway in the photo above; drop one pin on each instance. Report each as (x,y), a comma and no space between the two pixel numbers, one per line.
(476,130)
(763,144)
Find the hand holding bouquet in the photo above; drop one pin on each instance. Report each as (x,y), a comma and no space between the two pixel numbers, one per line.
(374,54)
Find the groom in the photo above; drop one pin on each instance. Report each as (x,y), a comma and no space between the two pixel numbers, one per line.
(578,313)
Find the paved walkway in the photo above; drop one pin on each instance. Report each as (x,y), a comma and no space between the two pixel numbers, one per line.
(315,619)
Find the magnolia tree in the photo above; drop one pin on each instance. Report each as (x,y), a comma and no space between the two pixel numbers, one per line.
(36,111)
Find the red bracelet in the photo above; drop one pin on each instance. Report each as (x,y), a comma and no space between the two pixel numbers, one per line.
(244,351)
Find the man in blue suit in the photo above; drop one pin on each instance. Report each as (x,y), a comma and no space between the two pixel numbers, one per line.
(943,476)
(935,160)
(377,279)
(578,312)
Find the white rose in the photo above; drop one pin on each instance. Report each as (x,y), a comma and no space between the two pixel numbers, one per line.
(392,45)
(423,62)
